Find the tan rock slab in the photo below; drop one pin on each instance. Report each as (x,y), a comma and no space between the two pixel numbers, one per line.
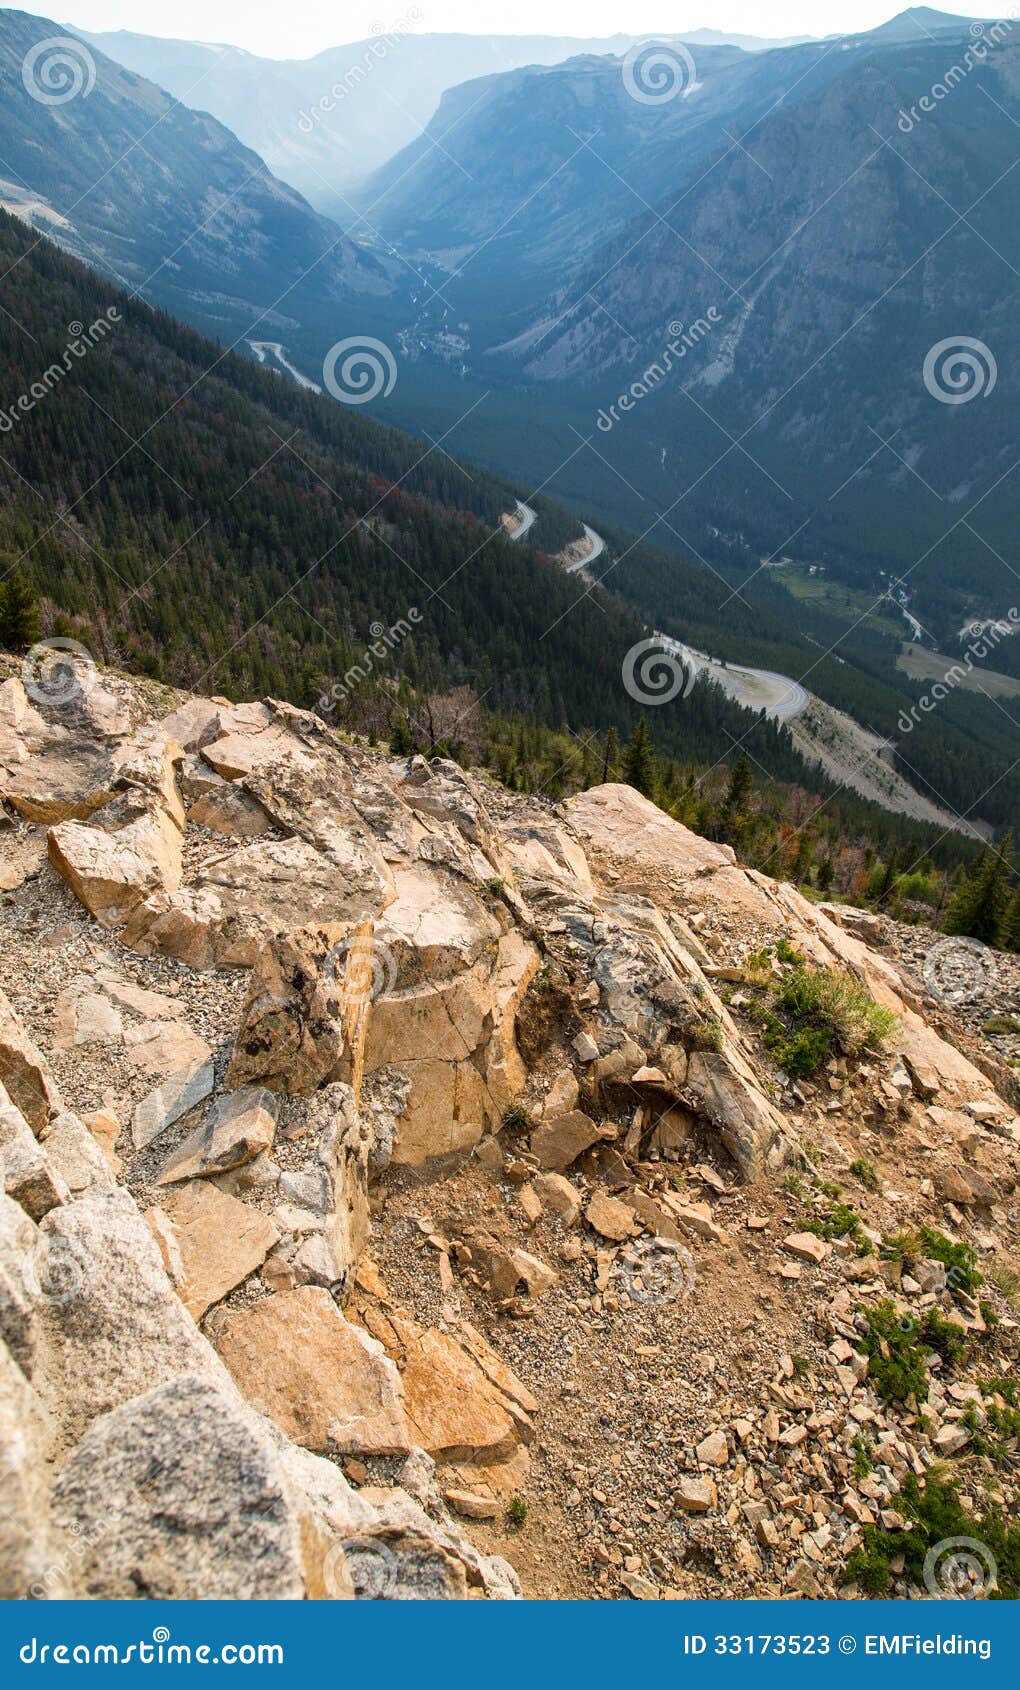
(165,1047)
(610,1218)
(220,1242)
(112,872)
(559,1197)
(560,1141)
(806,1247)
(23,1073)
(455,1408)
(695,1496)
(239,1126)
(470,1505)
(327,1384)
(713,1451)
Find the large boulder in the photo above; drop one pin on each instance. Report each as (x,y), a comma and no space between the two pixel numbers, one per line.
(110,1324)
(176,1495)
(111,869)
(326,1383)
(304,1019)
(239,900)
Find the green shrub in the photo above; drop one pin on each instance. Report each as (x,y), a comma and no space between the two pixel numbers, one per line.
(959,1260)
(517,1511)
(897,1347)
(839,1006)
(935,1514)
(865,1171)
(1001,1024)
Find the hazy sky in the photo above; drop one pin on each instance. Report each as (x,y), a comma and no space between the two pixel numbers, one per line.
(303,27)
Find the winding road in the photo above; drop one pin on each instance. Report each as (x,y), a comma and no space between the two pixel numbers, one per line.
(756,689)
(596,546)
(525,517)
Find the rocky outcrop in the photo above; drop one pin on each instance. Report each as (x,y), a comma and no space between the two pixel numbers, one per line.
(316,997)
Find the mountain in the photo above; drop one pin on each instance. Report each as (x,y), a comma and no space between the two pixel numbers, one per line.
(327,122)
(180,509)
(541,164)
(163,198)
(921,23)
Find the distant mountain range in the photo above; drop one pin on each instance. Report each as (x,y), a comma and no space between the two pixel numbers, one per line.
(327,122)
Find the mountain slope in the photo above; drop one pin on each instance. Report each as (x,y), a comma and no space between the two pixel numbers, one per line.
(184,511)
(163,198)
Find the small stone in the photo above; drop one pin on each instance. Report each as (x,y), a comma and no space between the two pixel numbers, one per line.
(610,1218)
(531,1204)
(713,1450)
(951,1438)
(806,1247)
(586,1048)
(695,1496)
(471,1506)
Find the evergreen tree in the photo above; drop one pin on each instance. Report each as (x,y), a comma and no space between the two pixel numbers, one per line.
(740,786)
(611,756)
(826,874)
(639,768)
(19,614)
(401,739)
(977,907)
(1009,927)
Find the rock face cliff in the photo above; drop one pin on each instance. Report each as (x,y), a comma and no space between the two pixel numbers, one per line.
(383,1152)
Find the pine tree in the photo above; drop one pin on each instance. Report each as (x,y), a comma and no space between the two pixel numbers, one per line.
(611,756)
(639,768)
(739,787)
(977,907)
(401,740)
(1009,927)
(826,874)
(19,614)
